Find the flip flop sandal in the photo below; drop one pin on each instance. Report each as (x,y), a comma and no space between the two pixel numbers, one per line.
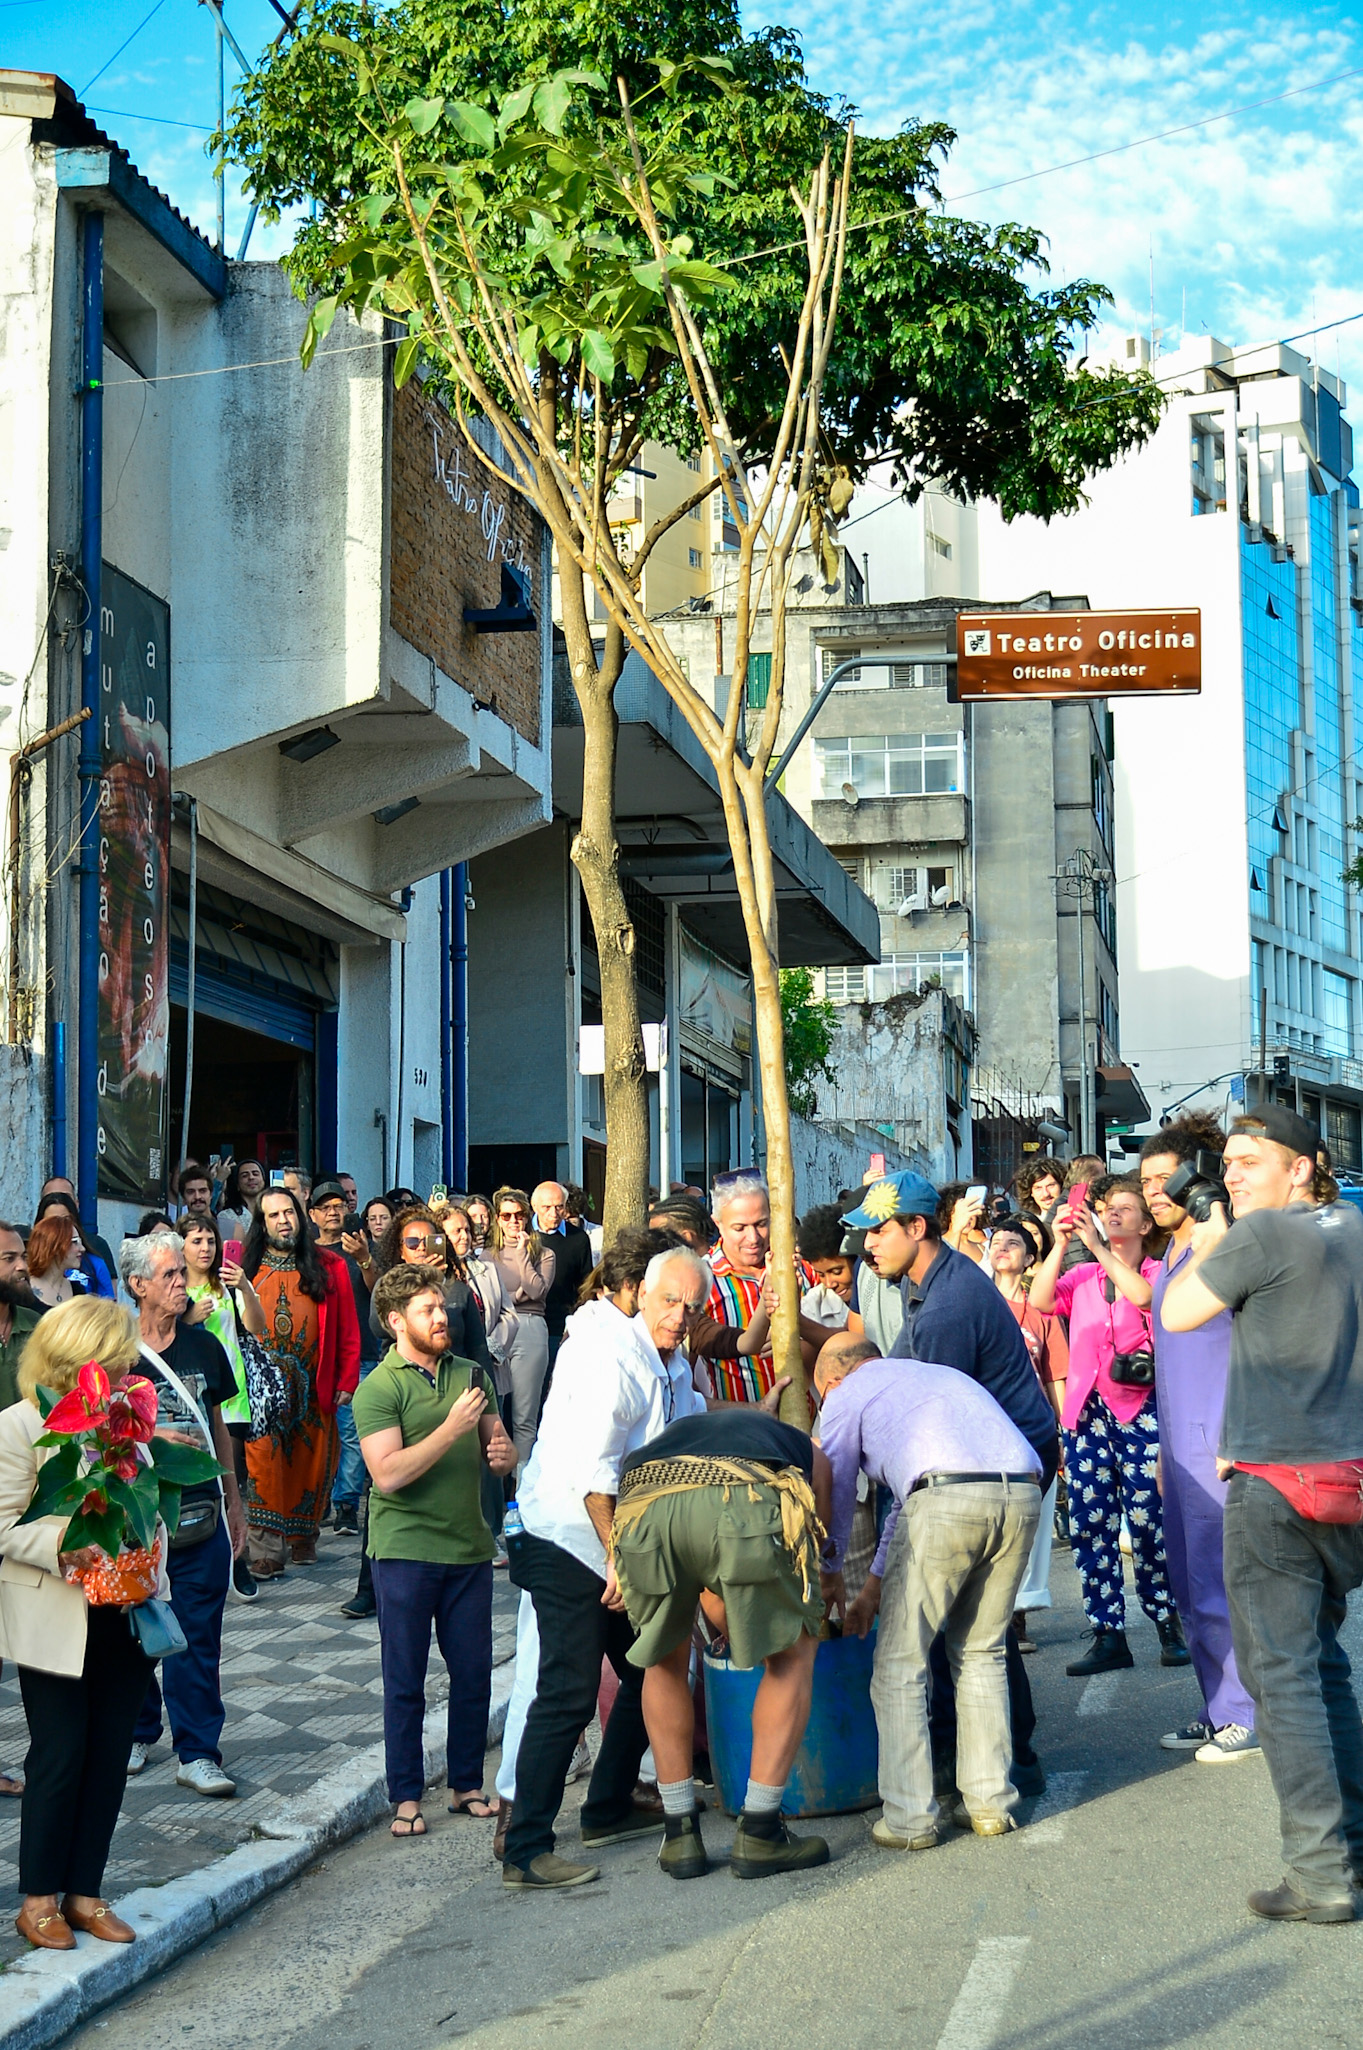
(470,1801)
(403,1828)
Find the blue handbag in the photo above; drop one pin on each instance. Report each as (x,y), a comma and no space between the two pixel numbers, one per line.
(156,1627)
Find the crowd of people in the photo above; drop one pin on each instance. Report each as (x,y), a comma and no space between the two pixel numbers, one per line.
(1165,1364)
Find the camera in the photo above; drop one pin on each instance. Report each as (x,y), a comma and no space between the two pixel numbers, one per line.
(1196,1185)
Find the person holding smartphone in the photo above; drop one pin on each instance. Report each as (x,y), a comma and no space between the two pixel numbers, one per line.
(1109,1421)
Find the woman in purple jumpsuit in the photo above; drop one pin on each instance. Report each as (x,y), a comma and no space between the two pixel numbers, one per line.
(1190,1384)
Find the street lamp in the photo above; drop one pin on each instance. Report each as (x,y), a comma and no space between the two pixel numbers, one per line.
(1081,877)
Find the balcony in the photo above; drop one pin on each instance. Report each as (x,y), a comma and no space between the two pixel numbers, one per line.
(891,821)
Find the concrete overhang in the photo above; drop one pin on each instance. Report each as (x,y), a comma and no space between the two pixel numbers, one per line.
(670,824)
(1120,1098)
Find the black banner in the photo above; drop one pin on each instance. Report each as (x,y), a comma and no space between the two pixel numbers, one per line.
(134,888)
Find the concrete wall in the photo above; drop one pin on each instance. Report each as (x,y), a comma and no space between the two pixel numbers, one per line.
(892,1069)
(831,1157)
(522,993)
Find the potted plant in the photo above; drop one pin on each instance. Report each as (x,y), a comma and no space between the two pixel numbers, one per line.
(109,1474)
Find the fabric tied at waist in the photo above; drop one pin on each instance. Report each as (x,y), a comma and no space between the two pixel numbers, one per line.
(802,1532)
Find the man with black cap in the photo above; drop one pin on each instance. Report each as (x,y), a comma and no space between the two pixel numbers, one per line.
(952,1314)
(1290,1270)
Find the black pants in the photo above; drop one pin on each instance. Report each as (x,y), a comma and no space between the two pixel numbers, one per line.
(576,1633)
(942,1706)
(80,1738)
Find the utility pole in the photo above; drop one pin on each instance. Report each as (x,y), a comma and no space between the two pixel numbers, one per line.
(1082,877)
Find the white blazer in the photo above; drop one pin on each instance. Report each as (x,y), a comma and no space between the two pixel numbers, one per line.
(42,1616)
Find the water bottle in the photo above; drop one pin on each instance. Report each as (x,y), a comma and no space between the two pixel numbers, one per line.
(512,1527)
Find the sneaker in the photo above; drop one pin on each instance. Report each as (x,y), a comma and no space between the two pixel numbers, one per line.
(137,1760)
(346,1522)
(1230,1742)
(1190,1738)
(243,1586)
(763,1844)
(206,1777)
(580,1764)
(1283,1903)
(631,1825)
(1173,1644)
(1108,1653)
(682,1855)
(549,1870)
(360,1605)
(889,1838)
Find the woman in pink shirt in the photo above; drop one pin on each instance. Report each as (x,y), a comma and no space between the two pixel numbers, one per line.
(1109,1421)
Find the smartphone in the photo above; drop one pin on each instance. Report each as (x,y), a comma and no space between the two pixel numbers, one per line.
(439,1193)
(1076,1198)
(232,1249)
(976,1194)
(352,1223)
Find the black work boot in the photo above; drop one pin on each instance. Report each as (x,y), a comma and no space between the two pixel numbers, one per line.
(1173,1645)
(763,1844)
(682,1854)
(1108,1653)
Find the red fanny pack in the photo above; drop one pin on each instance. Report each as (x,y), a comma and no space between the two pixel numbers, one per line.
(1331,1492)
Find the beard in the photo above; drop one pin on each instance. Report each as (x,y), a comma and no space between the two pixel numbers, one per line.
(279,1245)
(19,1296)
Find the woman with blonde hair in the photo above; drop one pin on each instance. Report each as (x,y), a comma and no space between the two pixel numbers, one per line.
(82,1673)
(525,1267)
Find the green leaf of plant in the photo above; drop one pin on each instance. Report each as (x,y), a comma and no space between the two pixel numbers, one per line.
(598,355)
(139,1499)
(553,100)
(515,107)
(422,115)
(106,1531)
(475,124)
(404,361)
(184,1466)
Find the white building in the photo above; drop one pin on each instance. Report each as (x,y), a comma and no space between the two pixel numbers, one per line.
(257,579)
(1239,940)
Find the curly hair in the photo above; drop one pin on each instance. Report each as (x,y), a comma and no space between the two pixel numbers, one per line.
(388,1253)
(1198,1132)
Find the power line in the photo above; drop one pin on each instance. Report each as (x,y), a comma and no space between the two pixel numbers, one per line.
(121,48)
(126,113)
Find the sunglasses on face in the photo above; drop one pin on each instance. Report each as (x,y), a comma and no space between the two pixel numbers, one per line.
(414,1241)
(511,1216)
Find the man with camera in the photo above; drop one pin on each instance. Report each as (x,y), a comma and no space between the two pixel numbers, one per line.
(1180,1180)
(1290,1270)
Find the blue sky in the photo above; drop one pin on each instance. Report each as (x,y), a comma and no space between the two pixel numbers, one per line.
(1252,220)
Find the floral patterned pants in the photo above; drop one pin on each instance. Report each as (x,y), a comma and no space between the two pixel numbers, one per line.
(1110,1467)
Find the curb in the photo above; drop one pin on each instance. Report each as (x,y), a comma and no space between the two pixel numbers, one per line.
(50,1992)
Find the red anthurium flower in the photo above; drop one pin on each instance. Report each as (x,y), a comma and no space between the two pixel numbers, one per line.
(126,1466)
(86,1405)
(96,1503)
(136,1390)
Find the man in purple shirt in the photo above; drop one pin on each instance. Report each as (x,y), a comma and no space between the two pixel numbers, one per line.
(967,1490)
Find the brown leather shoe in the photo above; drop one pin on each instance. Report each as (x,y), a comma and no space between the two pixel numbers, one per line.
(51,1931)
(303,1552)
(503,1825)
(99,1921)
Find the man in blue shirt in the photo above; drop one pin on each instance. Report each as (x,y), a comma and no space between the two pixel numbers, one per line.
(954,1316)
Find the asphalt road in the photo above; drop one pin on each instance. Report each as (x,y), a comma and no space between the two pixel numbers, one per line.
(1115,1919)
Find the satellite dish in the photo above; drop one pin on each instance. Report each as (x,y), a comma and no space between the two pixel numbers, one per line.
(850,795)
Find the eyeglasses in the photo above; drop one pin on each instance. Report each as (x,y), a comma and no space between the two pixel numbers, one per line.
(511,1217)
(413,1242)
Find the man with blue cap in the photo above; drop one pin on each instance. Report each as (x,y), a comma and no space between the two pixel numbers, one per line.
(950,1312)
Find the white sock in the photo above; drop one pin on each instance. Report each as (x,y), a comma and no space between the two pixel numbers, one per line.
(679,1796)
(762,1800)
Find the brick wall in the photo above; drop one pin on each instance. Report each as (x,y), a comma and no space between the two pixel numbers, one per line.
(454,523)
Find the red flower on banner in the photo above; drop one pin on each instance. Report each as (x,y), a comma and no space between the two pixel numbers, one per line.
(85,1408)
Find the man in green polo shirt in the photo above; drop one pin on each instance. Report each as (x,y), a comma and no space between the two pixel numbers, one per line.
(425,1430)
(16,1321)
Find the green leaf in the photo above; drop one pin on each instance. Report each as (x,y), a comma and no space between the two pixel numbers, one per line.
(422,115)
(404,360)
(318,327)
(48,1398)
(553,100)
(139,1500)
(61,1488)
(649,275)
(515,107)
(597,355)
(106,1531)
(475,124)
(168,1507)
(184,1466)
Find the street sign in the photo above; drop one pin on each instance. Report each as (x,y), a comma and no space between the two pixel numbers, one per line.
(1076,654)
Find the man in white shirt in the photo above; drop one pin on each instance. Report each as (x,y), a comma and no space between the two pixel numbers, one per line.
(619,1383)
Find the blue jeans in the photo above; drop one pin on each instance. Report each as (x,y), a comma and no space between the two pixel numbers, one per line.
(350,1473)
(1288,1581)
(411,1594)
(191,1680)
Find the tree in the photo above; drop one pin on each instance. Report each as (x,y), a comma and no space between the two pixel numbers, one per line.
(592,234)
(808,1024)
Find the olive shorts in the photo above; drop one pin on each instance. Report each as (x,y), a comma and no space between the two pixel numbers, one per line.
(695,1539)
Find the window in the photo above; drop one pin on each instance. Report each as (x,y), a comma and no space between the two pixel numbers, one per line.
(844,985)
(759,681)
(923,888)
(1101,799)
(1208,462)
(1105,914)
(939,546)
(1336,1014)
(696,558)
(852,863)
(829,659)
(693,512)
(1107,1015)
(899,974)
(904,884)
(693,462)
(890,765)
(1342,1134)
(918,676)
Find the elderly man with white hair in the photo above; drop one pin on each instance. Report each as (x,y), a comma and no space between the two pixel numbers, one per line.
(620,1382)
(731,1334)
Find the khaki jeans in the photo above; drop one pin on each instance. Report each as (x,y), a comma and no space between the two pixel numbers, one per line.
(956,1562)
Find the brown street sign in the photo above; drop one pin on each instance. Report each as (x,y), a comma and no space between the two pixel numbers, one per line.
(1077,654)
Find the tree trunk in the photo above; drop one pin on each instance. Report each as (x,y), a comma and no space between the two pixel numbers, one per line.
(596,856)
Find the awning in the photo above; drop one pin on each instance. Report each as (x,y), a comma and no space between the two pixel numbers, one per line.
(1119,1098)
(246,864)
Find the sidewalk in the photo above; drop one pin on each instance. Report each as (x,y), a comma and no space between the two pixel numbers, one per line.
(303,1694)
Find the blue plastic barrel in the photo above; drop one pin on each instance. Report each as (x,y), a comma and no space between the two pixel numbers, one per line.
(835,1767)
